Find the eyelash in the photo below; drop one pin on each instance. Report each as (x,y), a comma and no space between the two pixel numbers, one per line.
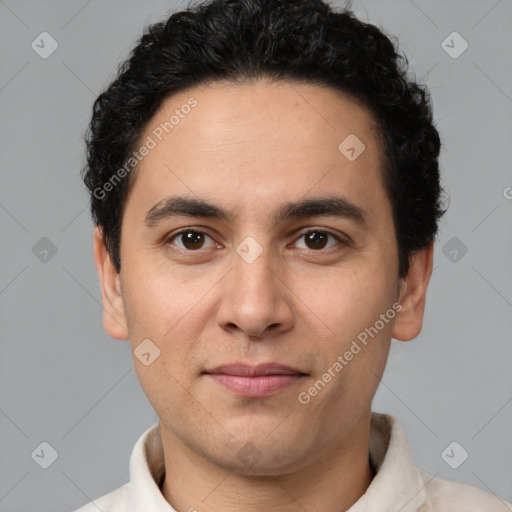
(197,231)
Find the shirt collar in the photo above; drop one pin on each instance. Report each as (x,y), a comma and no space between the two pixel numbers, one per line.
(396,486)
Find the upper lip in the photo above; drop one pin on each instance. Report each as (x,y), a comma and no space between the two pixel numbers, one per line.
(245,370)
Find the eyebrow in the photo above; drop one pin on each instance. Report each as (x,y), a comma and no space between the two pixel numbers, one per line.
(182,206)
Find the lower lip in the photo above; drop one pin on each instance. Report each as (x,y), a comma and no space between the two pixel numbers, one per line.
(258,386)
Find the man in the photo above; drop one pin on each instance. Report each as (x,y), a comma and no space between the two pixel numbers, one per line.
(264,181)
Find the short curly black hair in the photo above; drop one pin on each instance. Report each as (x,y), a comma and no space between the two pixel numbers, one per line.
(295,40)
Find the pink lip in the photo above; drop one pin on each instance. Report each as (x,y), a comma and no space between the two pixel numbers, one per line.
(255,381)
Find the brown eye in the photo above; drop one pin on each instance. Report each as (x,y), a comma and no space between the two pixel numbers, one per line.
(190,240)
(317,240)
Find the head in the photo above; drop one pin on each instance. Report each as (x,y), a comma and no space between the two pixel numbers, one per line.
(264,181)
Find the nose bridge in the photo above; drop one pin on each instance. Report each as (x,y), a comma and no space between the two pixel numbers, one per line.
(255,299)
(253,273)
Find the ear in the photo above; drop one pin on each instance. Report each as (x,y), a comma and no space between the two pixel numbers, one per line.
(114,320)
(413,292)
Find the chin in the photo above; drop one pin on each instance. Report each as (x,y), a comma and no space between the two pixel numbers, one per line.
(256,456)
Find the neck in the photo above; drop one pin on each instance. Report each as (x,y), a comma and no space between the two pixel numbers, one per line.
(334,480)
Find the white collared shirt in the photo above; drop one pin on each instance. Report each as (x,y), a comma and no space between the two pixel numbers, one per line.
(397,486)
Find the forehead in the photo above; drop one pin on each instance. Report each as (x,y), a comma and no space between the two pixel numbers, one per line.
(227,113)
(237,140)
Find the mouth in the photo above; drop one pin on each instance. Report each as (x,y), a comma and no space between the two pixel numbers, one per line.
(262,380)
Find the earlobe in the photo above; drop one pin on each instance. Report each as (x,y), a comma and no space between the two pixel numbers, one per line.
(114,319)
(413,295)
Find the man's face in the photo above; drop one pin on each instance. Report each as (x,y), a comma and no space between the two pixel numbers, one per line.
(255,287)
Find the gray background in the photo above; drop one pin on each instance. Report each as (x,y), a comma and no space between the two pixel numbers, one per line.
(64,381)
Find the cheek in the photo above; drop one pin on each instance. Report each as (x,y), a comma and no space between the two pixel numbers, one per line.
(343,302)
(156,300)
(170,311)
(164,311)
(351,305)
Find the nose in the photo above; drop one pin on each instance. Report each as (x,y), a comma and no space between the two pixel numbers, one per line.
(255,298)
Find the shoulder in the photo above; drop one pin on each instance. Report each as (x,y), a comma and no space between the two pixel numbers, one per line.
(119,500)
(449,496)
